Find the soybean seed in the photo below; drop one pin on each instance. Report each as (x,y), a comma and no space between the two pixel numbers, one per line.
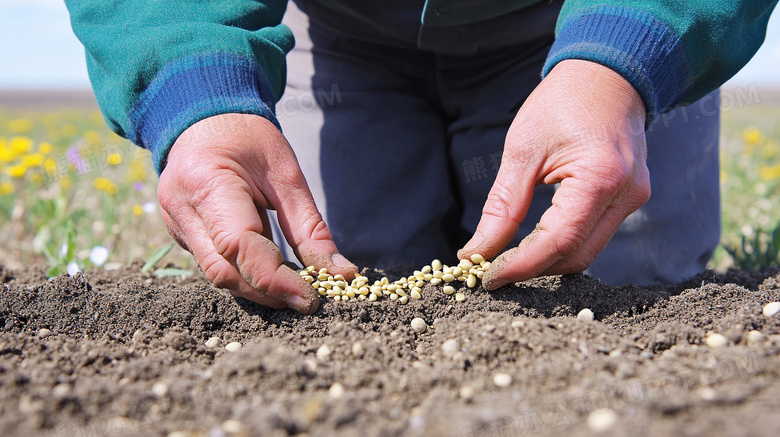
(436,264)
(771,309)
(477,258)
(213,342)
(471,282)
(419,326)
(502,379)
(460,297)
(448,289)
(585,314)
(715,340)
(233,346)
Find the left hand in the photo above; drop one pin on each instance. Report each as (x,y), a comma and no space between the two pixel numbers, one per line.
(582,127)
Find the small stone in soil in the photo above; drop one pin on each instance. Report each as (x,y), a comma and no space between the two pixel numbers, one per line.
(771,309)
(43,333)
(585,314)
(419,326)
(232,426)
(502,379)
(357,349)
(466,393)
(234,346)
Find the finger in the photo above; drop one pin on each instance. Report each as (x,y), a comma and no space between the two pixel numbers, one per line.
(286,190)
(236,233)
(216,268)
(562,230)
(504,210)
(605,228)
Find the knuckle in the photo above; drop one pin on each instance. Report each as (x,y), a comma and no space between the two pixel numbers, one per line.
(570,243)
(500,202)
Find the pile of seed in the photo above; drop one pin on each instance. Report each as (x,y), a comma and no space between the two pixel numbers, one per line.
(467,272)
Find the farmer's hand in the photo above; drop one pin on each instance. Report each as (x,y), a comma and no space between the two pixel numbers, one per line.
(222,174)
(583,126)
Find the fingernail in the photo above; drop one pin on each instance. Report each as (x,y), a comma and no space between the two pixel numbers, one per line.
(298,303)
(339,260)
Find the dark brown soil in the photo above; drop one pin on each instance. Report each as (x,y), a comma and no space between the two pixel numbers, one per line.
(127,356)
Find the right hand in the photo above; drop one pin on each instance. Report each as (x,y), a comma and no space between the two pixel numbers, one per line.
(222,174)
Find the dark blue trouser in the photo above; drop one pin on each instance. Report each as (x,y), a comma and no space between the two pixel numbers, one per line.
(401,146)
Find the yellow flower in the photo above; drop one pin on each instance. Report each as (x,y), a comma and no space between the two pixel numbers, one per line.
(69,130)
(6,188)
(16,171)
(114,159)
(137,171)
(106,185)
(65,183)
(20,125)
(20,145)
(33,160)
(138,210)
(6,154)
(44,148)
(92,138)
(752,136)
(769,173)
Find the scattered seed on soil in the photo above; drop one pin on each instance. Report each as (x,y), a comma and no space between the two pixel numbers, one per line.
(419,326)
(502,379)
(232,426)
(160,389)
(43,333)
(602,420)
(466,393)
(233,346)
(754,337)
(357,349)
(585,314)
(460,297)
(450,346)
(771,309)
(336,391)
(716,340)
(323,352)
(213,342)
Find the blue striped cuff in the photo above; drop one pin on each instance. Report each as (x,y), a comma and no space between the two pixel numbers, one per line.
(194,88)
(643,50)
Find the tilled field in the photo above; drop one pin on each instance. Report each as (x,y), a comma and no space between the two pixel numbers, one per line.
(124,353)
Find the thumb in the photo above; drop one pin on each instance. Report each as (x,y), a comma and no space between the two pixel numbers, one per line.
(504,210)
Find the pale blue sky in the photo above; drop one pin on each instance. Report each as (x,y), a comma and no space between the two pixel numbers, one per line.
(39,51)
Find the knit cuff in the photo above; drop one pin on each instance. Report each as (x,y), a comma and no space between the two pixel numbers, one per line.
(194,88)
(645,51)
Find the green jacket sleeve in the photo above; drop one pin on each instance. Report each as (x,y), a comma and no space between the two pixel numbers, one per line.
(159,66)
(673,52)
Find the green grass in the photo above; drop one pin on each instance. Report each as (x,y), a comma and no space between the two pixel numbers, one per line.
(68,185)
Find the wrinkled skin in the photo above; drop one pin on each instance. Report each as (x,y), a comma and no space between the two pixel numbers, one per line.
(581,127)
(221,176)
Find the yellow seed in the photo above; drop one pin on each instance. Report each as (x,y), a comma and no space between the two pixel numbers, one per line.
(460,297)
(322,291)
(304,273)
(323,271)
(419,284)
(372,297)
(339,277)
(465,264)
(341,284)
(436,265)
(363,290)
(486,265)
(462,278)
(415,294)
(392,287)
(428,277)
(449,289)
(327,284)
(324,277)
(310,268)
(448,277)
(315,284)
(480,274)
(457,271)
(426,269)
(337,298)
(336,289)
(438,274)
(403,300)
(471,282)
(350,293)
(308,278)
(435,281)
(393,296)
(401,292)
(477,258)
(361,297)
